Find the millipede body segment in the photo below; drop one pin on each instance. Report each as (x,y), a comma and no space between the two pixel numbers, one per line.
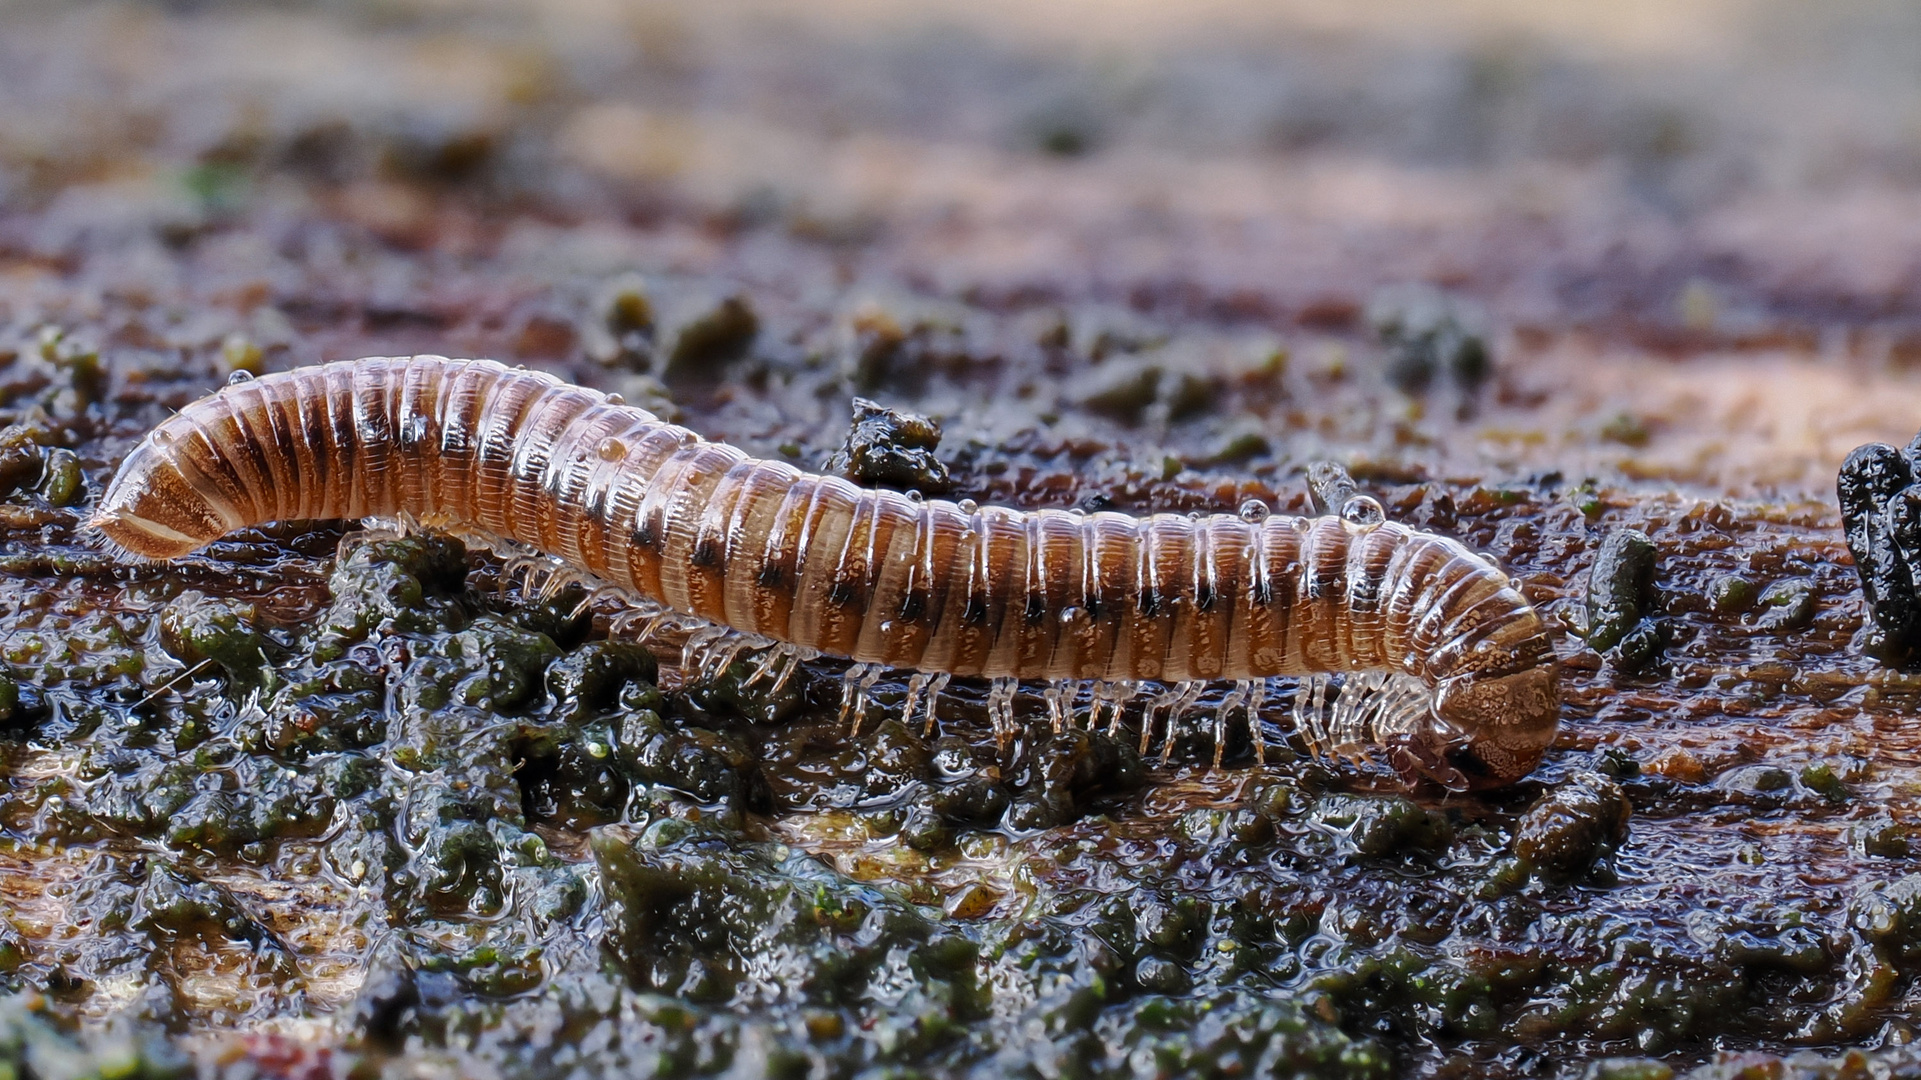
(1443,663)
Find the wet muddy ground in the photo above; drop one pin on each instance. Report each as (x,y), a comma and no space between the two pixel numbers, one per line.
(298,808)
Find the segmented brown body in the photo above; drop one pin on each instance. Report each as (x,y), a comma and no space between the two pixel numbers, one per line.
(873,576)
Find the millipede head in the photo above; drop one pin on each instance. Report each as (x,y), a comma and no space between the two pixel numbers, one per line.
(1506,723)
(151,510)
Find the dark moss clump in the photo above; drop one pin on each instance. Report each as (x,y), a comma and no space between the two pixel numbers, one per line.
(1621,601)
(1121,389)
(1428,334)
(621,331)
(1573,828)
(1786,606)
(710,338)
(1058,776)
(1881,512)
(1383,827)
(886,448)
(197,629)
(901,347)
(704,917)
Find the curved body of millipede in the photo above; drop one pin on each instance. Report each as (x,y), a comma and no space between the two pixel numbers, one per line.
(1408,646)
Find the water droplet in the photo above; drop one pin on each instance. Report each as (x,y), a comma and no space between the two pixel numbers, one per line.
(1363,511)
(1077,512)
(1195,515)
(611,450)
(914,495)
(1254,511)
(161,436)
(969,506)
(616,399)
(239,376)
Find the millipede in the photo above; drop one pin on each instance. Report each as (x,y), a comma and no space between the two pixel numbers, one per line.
(1406,648)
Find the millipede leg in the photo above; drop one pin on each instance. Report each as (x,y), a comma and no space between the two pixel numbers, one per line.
(1309,694)
(1235,698)
(1060,696)
(765,667)
(855,683)
(721,656)
(1000,707)
(693,651)
(934,687)
(916,683)
(1118,695)
(1256,697)
(1185,694)
(792,662)
(923,685)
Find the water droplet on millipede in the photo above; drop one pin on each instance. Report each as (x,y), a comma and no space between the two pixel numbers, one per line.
(1363,511)
(1077,512)
(611,449)
(240,376)
(914,495)
(969,506)
(1254,511)
(616,399)
(1195,515)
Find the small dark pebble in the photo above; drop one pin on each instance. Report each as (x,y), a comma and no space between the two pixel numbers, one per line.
(621,331)
(1756,780)
(61,481)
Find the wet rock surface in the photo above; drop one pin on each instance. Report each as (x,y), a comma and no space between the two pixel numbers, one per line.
(307,804)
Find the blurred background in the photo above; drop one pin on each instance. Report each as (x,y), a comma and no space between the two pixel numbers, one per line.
(1640,179)
(1624,181)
